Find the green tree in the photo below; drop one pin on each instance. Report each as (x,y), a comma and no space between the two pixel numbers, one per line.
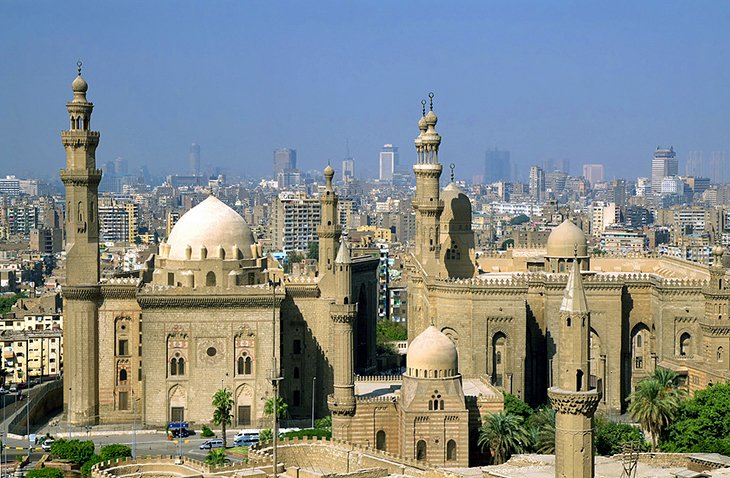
(389,331)
(75,451)
(609,437)
(46,472)
(216,457)
(542,430)
(8,301)
(265,434)
(282,408)
(503,434)
(313,251)
(654,406)
(669,379)
(519,219)
(222,407)
(702,423)
(86,467)
(206,432)
(111,452)
(324,423)
(514,406)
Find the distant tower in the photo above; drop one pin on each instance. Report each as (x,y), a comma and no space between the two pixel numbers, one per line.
(343,313)
(285,159)
(329,230)
(81,293)
(427,202)
(663,164)
(573,399)
(195,159)
(388,162)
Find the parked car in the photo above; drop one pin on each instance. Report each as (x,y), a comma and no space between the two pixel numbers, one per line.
(13,389)
(212,443)
(47,444)
(246,438)
(180,432)
(3,391)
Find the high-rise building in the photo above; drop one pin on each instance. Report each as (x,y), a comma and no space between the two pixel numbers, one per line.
(593,173)
(121,168)
(537,183)
(294,221)
(663,164)
(497,166)
(10,186)
(195,159)
(694,165)
(718,167)
(118,221)
(284,159)
(388,162)
(348,170)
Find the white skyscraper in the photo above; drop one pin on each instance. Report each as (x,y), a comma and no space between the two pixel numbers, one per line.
(388,162)
(663,164)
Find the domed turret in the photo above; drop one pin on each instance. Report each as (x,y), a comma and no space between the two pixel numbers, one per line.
(79,87)
(207,227)
(567,240)
(432,355)
(457,206)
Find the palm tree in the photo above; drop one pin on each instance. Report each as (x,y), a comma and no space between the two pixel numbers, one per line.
(216,457)
(282,407)
(504,434)
(542,429)
(222,404)
(669,379)
(653,405)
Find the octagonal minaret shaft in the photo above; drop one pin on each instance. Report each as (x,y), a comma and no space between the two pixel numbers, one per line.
(573,400)
(427,203)
(81,292)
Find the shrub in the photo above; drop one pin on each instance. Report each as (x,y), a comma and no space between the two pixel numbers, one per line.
(46,472)
(216,457)
(265,435)
(515,406)
(75,451)
(206,432)
(610,437)
(86,467)
(111,452)
(324,423)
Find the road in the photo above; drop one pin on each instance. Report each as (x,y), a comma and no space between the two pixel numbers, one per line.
(147,444)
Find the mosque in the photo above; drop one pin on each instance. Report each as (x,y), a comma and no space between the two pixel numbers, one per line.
(209,311)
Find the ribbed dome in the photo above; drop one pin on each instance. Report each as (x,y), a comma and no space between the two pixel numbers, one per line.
(211,224)
(457,207)
(567,240)
(79,85)
(432,351)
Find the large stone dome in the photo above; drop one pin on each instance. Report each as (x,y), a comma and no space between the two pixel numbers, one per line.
(567,240)
(432,354)
(211,224)
(457,207)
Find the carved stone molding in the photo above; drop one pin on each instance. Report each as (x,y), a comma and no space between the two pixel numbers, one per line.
(89,292)
(205,302)
(341,407)
(343,318)
(574,403)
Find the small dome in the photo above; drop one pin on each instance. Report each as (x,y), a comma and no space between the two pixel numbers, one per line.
(210,224)
(432,351)
(79,85)
(431,118)
(329,172)
(457,207)
(567,240)
(422,123)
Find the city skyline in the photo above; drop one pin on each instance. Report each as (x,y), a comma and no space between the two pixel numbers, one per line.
(163,81)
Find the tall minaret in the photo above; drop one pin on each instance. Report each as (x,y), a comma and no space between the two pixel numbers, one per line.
(81,293)
(573,400)
(343,313)
(329,230)
(427,202)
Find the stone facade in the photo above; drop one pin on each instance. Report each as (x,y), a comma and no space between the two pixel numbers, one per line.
(208,311)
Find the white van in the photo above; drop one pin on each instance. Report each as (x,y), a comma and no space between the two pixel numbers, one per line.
(246,438)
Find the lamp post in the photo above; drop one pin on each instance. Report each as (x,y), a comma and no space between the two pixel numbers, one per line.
(314,381)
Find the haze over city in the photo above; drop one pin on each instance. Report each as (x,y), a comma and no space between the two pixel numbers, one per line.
(586,83)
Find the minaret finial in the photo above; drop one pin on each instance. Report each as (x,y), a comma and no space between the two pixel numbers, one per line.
(452,166)
(423,104)
(78,66)
(575,250)
(430,96)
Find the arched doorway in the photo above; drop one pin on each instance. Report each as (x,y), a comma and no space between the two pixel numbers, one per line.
(421,450)
(380,443)
(499,359)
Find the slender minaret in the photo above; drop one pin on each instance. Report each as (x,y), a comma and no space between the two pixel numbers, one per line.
(573,400)
(427,202)
(329,230)
(81,293)
(343,313)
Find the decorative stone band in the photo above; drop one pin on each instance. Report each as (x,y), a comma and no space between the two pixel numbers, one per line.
(342,406)
(81,178)
(302,290)
(348,318)
(119,291)
(206,302)
(574,403)
(84,292)
(329,232)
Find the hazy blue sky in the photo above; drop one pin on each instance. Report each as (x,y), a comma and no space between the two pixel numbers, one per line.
(577,80)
